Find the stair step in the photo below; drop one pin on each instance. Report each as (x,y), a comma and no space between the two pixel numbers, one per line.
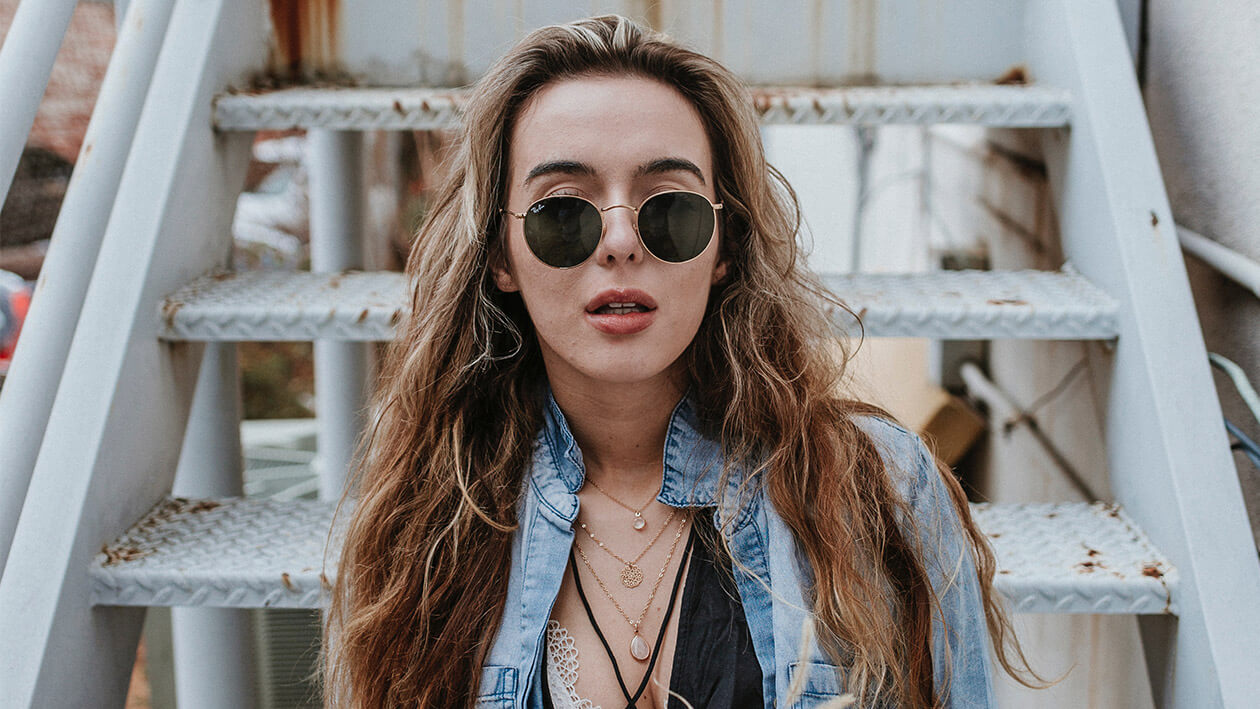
(411,108)
(365,306)
(256,553)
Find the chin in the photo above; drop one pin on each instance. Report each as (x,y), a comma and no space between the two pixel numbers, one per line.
(636,373)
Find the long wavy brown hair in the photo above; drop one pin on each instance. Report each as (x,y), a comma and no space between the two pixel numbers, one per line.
(416,604)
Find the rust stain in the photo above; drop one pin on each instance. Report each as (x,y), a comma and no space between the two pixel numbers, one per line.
(1088,567)
(1017,74)
(1154,219)
(323,580)
(1153,570)
(169,310)
(288,582)
(202,506)
(863,23)
(363,315)
(120,554)
(306,37)
(1006,301)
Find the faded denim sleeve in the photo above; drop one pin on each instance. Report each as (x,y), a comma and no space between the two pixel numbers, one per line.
(960,637)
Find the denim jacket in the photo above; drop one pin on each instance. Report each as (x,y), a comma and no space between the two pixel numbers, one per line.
(512,675)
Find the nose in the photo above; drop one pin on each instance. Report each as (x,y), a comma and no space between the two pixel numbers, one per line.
(621,241)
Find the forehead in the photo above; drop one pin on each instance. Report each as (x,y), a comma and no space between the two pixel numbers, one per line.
(614,124)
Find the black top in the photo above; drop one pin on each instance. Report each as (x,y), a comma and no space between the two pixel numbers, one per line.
(715,664)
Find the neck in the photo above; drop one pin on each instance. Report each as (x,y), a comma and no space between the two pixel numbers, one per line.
(620,428)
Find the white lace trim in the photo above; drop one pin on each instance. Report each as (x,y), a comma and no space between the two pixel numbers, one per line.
(562,669)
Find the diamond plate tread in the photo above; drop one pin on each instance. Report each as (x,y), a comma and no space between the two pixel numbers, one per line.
(1076,558)
(413,108)
(227,553)
(285,305)
(248,553)
(976,305)
(959,305)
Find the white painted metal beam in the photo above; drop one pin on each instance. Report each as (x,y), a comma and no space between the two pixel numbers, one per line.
(27,397)
(342,369)
(113,437)
(1012,106)
(213,648)
(1168,454)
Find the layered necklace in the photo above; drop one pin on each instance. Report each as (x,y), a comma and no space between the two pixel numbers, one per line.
(639,649)
(631,575)
(638,646)
(639,523)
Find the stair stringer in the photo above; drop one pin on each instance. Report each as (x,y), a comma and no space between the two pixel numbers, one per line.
(1167,451)
(114,434)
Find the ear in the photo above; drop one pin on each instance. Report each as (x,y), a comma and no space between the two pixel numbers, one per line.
(719,272)
(503,276)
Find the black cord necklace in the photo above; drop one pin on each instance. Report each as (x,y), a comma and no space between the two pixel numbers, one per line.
(660,635)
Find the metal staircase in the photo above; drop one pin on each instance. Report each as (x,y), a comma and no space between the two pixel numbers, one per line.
(100,534)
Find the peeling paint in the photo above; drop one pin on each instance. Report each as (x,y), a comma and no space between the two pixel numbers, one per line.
(863,27)
(1015,75)
(305,38)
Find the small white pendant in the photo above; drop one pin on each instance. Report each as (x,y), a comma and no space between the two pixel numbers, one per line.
(639,648)
(639,523)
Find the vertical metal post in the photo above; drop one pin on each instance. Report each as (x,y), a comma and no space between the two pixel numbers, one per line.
(213,647)
(342,369)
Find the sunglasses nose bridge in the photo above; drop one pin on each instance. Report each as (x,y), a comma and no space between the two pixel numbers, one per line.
(619,245)
(634,218)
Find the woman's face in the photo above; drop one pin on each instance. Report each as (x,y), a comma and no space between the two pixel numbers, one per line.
(611,140)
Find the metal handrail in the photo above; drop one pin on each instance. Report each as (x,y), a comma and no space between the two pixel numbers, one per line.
(26,62)
(31,385)
(1225,260)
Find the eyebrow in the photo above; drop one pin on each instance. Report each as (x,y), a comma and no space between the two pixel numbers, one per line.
(573,167)
(661,165)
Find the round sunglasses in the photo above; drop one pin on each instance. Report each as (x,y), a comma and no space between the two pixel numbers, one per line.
(563,231)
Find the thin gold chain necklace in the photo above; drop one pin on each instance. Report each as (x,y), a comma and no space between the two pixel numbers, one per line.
(638,646)
(639,523)
(631,575)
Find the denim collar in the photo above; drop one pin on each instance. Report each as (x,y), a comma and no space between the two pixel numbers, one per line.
(693,464)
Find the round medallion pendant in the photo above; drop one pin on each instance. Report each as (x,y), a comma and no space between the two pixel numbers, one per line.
(639,524)
(639,648)
(631,576)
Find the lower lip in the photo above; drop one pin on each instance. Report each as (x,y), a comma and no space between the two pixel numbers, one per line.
(627,324)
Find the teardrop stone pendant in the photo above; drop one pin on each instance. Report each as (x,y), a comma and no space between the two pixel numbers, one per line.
(639,648)
(639,522)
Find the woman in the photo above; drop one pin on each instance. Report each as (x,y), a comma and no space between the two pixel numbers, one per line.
(611,465)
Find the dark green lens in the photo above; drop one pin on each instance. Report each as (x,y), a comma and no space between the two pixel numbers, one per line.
(562,231)
(676,226)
